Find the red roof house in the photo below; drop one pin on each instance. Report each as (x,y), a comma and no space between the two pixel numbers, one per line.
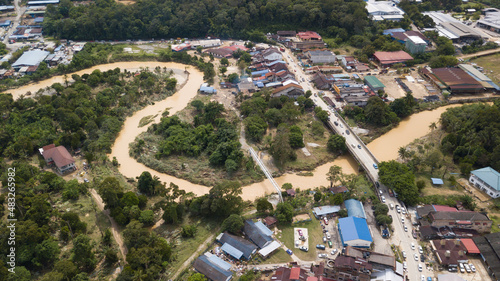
(58,157)
(309,35)
(390,58)
(470,246)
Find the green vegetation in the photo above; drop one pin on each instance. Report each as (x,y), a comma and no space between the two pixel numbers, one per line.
(203,151)
(171,19)
(401,179)
(146,120)
(472,130)
(315,236)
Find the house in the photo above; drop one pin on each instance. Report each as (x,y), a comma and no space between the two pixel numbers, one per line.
(208,43)
(449,252)
(354,232)
(360,101)
(290,192)
(374,83)
(402,36)
(258,233)
(386,275)
(325,211)
(289,274)
(489,246)
(348,61)
(269,249)
(355,208)
(238,247)
(272,54)
(270,221)
(387,59)
(308,45)
(181,47)
(246,85)
(205,89)
(415,45)
(349,268)
(487,180)
(378,261)
(320,81)
(338,189)
(214,268)
(291,90)
(58,157)
(440,216)
(309,36)
(320,56)
(219,52)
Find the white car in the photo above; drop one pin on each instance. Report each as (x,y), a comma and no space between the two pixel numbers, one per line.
(328,236)
(462,268)
(404,254)
(380,191)
(420,267)
(416,257)
(405,265)
(322,256)
(406,228)
(333,252)
(403,211)
(422,278)
(467,268)
(472,267)
(412,246)
(398,209)
(383,199)
(420,250)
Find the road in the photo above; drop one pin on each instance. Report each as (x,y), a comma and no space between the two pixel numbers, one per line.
(400,237)
(19,13)
(479,54)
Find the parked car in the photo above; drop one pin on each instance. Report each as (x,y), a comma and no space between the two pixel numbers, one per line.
(303,248)
(406,228)
(300,232)
(472,267)
(398,209)
(420,250)
(320,247)
(322,256)
(325,220)
(404,254)
(333,252)
(405,265)
(382,198)
(324,239)
(330,244)
(422,258)
(288,251)
(402,220)
(416,257)
(420,267)
(328,236)
(462,268)
(467,268)
(412,246)
(422,278)
(347,132)
(380,191)
(335,122)
(359,146)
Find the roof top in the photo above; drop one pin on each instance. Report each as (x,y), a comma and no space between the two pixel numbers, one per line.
(374,82)
(456,78)
(29,58)
(269,248)
(460,29)
(459,216)
(470,246)
(439,17)
(437,181)
(59,155)
(235,253)
(472,70)
(354,228)
(325,210)
(211,270)
(392,57)
(320,53)
(489,245)
(489,176)
(383,8)
(245,246)
(255,234)
(355,208)
(450,277)
(263,228)
(417,40)
(218,261)
(306,35)
(295,273)
(386,275)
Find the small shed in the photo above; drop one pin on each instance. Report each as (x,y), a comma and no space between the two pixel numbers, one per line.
(290,192)
(437,181)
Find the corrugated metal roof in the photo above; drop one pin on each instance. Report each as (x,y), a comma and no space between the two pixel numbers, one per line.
(474,71)
(263,228)
(437,181)
(353,228)
(489,176)
(230,250)
(374,82)
(218,261)
(203,265)
(325,210)
(269,248)
(31,58)
(355,208)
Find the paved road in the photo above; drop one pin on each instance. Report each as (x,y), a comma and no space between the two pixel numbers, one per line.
(19,13)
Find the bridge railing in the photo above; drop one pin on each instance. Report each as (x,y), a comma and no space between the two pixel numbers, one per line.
(357,137)
(266,172)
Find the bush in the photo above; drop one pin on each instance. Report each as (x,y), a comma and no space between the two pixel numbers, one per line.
(188,231)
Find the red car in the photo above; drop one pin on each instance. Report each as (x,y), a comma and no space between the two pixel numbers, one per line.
(325,220)
(300,233)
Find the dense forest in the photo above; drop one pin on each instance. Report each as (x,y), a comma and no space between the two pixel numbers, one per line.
(87,114)
(473,136)
(109,20)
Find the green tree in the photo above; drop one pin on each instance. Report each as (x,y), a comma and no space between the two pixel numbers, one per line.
(197,277)
(147,184)
(224,61)
(296,137)
(318,196)
(334,174)
(378,113)
(147,217)
(284,212)
(281,149)
(336,144)
(234,223)
(83,254)
(398,177)
(188,230)
(255,128)
(317,128)
(264,206)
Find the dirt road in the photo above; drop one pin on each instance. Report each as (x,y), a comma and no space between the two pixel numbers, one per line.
(480,54)
(115,229)
(202,247)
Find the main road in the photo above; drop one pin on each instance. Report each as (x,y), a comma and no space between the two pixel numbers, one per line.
(365,158)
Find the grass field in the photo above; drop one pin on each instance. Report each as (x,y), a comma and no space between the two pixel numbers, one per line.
(315,237)
(491,65)
(280,256)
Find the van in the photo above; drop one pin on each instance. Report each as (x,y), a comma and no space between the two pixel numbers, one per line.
(392,206)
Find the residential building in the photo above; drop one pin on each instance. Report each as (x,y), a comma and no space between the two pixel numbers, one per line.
(205,89)
(271,54)
(403,36)
(449,252)
(354,232)
(360,101)
(489,246)
(289,274)
(378,261)
(350,268)
(374,83)
(30,58)
(384,10)
(320,81)
(325,211)
(214,268)
(58,157)
(258,233)
(303,45)
(348,61)
(246,86)
(244,248)
(270,221)
(309,36)
(441,216)
(355,208)
(291,90)
(320,56)
(415,45)
(338,189)
(220,52)
(387,59)
(269,249)
(486,180)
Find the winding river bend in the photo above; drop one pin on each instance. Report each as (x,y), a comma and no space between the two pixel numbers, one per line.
(384,148)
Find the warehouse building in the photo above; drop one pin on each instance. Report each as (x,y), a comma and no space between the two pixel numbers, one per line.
(479,76)
(30,58)
(321,56)
(415,45)
(387,59)
(489,246)
(213,268)
(258,233)
(374,83)
(453,79)
(236,246)
(491,20)
(384,10)
(354,232)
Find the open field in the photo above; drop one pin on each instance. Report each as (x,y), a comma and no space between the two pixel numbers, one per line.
(315,235)
(395,91)
(491,65)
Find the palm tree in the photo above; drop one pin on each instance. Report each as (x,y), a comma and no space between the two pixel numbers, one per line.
(403,153)
(433,126)
(333,174)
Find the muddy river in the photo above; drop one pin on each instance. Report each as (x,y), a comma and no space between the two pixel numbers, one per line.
(384,148)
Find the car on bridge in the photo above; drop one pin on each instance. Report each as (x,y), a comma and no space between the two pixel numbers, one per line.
(375,166)
(359,146)
(347,132)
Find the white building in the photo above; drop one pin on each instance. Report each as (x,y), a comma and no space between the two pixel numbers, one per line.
(487,180)
(384,10)
(321,56)
(271,54)
(209,43)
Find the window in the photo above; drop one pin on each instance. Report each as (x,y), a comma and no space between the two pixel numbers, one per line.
(451,223)
(484,223)
(477,223)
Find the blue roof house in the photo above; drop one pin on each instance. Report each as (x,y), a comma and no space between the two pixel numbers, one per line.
(355,232)
(486,180)
(236,246)
(205,89)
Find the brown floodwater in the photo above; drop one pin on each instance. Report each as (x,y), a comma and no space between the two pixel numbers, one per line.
(384,147)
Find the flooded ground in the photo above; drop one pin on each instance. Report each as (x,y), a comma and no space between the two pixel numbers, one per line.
(384,148)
